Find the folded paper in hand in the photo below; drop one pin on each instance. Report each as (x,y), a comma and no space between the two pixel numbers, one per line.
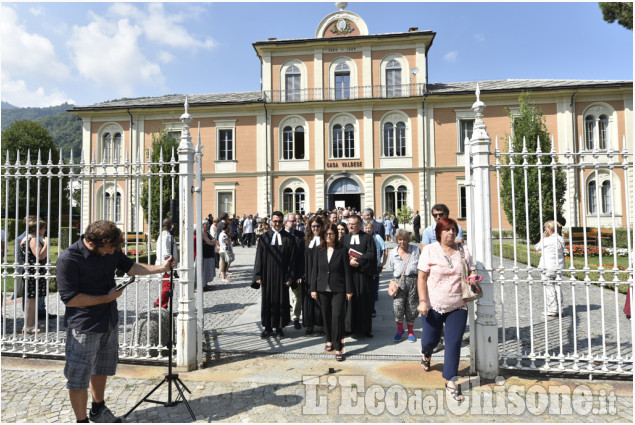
(352,253)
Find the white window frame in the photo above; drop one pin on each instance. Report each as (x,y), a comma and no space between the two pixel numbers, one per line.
(396,181)
(297,186)
(615,200)
(596,111)
(294,122)
(303,82)
(352,68)
(344,120)
(394,117)
(221,187)
(107,154)
(405,73)
(226,125)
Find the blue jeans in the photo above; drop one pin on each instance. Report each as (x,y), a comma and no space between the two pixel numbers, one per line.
(432,324)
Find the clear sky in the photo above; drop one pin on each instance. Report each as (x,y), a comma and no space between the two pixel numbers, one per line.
(86,53)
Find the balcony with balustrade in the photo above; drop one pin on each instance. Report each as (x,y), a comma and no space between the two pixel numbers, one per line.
(344,93)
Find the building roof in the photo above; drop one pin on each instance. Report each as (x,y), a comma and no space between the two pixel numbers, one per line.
(176,100)
(521,84)
(492,86)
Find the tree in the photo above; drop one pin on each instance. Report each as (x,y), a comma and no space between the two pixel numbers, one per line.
(529,126)
(404,215)
(620,11)
(151,189)
(31,139)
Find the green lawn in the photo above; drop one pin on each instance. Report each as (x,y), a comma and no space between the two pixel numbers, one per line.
(578,263)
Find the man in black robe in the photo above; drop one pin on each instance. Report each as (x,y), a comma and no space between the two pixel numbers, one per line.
(296,289)
(274,271)
(359,311)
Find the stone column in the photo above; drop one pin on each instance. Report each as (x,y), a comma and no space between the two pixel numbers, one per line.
(486,332)
(186,320)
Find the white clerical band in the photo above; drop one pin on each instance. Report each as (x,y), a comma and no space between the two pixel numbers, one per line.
(276,237)
(316,240)
(355,239)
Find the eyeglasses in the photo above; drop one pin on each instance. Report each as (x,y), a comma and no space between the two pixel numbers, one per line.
(329,235)
(438,215)
(314,226)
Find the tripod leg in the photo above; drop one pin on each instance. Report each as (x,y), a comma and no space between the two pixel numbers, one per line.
(144,398)
(183,385)
(178,387)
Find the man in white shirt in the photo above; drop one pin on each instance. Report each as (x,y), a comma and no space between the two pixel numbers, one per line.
(248,230)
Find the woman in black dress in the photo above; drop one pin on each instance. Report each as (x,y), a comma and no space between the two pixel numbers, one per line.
(34,247)
(333,284)
(311,313)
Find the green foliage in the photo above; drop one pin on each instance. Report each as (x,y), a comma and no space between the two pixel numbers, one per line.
(10,113)
(66,131)
(404,215)
(30,139)
(64,127)
(622,12)
(151,185)
(530,126)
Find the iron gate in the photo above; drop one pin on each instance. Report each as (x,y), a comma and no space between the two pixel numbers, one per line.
(589,334)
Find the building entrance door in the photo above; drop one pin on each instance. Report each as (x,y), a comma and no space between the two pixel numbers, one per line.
(347,190)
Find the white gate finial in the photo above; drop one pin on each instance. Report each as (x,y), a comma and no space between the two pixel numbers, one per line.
(341,5)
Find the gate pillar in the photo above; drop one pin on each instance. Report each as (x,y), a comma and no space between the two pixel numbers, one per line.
(186,320)
(486,332)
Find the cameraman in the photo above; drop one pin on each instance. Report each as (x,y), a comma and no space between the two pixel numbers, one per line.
(86,284)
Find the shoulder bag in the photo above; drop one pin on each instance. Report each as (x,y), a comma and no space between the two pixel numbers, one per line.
(393,286)
(470,289)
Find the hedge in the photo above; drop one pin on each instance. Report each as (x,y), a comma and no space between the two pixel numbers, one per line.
(8,225)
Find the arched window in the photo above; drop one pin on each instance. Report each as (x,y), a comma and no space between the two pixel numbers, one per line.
(292,83)
(389,140)
(349,141)
(287,200)
(389,195)
(287,143)
(607,198)
(395,141)
(592,198)
(107,212)
(589,130)
(338,146)
(393,78)
(299,143)
(402,193)
(342,81)
(604,131)
(293,201)
(106,146)
(116,148)
(299,200)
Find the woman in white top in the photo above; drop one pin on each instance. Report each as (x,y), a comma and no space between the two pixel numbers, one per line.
(552,259)
(225,251)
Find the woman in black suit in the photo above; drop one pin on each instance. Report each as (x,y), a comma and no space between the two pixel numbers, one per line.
(332,282)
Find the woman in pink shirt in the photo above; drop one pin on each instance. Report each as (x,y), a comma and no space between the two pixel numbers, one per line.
(440,300)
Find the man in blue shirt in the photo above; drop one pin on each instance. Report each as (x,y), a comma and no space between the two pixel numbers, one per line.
(439,211)
(86,284)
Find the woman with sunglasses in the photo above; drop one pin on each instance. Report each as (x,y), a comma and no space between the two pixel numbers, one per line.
(311,313)
(332,284)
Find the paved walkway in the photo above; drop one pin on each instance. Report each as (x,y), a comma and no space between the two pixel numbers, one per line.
(252,380)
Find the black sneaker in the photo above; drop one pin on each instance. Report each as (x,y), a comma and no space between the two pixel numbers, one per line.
(279,333)
(266,333)
(296,324)
(104,415)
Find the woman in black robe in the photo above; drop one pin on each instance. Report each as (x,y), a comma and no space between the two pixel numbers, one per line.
(311,312)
